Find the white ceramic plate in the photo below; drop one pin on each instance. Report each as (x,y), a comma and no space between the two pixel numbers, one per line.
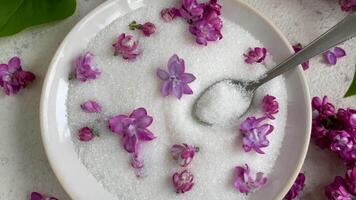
(73,175)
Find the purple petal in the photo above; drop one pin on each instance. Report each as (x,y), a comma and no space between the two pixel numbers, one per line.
(166,88)
(177,90)
(138,113)
(176,65)
(91,107)
(14,63)
(329,58)
(116,125)
(202,41)
(130,143)
(37,196)
(145,135)
(265,129)
(144,122)
(339,52)
(163,75)
(187,78)
(186,89)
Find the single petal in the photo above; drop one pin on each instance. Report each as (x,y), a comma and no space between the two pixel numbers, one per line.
(163,75)
(3,69)
(177,90)
(130,143)
(330,58)
(144,122)
(37,196)
(145,135)
(138,113)
(265,130)
(186,89)
(116,125)
(166,88)
(187,78)
(91,107)
(339,52)
(15,63)
(176,65)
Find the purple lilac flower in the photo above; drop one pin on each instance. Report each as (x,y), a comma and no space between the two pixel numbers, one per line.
(132,129)
(296,188)
(13,78)
(175,80)
(337,190)
(245,183)
(39,196)
(347,5)
(86,134)
(270,106)
(297,48)
(333,54)
(183,181)
(255,55)
(127,46)
(91,107)
(207,29)
(183,153)
(83,70)
(147,28)
(191,10)
(324,107)
(168,14)
(350,180)
(347,117)
(320,134)
(255,134)
(340,141)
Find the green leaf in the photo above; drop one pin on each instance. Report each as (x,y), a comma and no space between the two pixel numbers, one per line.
(16,15)
(352,89)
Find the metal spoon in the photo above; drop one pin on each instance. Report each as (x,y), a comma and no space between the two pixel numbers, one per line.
(344,30)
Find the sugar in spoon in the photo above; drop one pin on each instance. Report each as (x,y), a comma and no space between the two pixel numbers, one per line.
(344,30)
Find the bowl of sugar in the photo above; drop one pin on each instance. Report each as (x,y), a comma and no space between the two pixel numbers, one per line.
(100,168)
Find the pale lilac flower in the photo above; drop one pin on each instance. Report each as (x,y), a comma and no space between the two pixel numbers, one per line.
(86,134)
(297,48)
(39,196)
(168,14)
(337,190)
(183,181)
(324,107)
(83,70)
(255,134)
(350,180)
(175,80)
(347,5)
(127,46)
(206,31)
(296,188)
(13,78)
(191,10)
(255,55)
(147,28)
(245,183)
(183,153)
(132,128)
(91,107)
(270,106)
(333,54)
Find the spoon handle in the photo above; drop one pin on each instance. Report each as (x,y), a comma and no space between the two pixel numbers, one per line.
(341,32)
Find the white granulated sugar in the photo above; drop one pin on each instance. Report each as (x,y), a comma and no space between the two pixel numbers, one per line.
(124,86)
(223,103)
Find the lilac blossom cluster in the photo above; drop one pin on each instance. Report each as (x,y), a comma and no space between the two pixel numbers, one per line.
(336,130)
(203,19)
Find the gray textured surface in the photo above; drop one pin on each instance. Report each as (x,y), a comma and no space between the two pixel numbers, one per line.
(23,164)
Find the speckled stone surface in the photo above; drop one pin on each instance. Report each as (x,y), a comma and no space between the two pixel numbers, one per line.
(23,163)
